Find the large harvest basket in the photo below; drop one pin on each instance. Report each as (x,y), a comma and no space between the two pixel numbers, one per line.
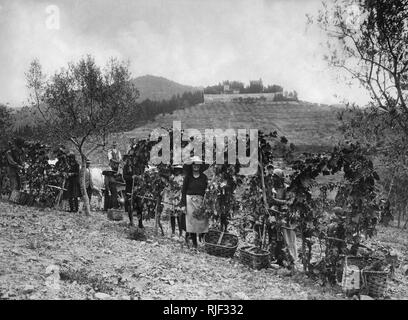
(376,282)
(254,257)
(115,215)
(372,282)
(221,244)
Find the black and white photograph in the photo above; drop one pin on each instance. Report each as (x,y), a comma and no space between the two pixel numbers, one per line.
(225,152)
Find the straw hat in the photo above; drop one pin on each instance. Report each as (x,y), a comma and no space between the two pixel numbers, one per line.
(194,160)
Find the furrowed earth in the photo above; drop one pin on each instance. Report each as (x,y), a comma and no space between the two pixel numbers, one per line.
(50,254)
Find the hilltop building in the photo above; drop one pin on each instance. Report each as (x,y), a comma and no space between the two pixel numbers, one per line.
(255,86)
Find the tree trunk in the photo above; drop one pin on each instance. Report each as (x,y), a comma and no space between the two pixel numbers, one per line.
(85,199)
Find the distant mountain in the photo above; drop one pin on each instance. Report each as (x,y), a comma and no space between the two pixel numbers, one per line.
(159,88)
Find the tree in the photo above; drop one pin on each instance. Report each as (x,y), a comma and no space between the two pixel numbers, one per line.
(369,40)
(83,103)
(389,146)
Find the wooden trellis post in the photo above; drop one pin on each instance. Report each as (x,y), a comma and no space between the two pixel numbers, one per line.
(264,200)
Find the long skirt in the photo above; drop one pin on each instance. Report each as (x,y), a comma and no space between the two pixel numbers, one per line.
(196,220)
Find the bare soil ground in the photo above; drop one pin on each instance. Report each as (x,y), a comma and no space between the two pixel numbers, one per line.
(97,260)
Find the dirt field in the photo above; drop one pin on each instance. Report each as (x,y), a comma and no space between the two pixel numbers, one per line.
(96,260)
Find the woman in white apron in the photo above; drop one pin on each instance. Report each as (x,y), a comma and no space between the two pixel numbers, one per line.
(193,190)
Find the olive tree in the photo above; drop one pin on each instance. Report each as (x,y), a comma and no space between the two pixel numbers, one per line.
(82,104)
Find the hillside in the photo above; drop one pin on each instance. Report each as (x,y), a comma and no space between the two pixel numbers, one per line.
(303,123)
(25,117)
(311,127)
(159,88)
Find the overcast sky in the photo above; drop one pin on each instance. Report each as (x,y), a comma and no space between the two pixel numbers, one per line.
(193,42)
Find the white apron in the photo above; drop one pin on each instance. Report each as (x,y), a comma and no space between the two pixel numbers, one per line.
(196,221)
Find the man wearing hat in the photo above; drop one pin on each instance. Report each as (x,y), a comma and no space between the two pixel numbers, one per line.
(88,180)
(114,157)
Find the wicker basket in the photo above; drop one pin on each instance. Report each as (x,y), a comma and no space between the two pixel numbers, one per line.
(254,257)
(30,199)
(26,199)
(23,198)
(376,282)
(115,215)
(220,244)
